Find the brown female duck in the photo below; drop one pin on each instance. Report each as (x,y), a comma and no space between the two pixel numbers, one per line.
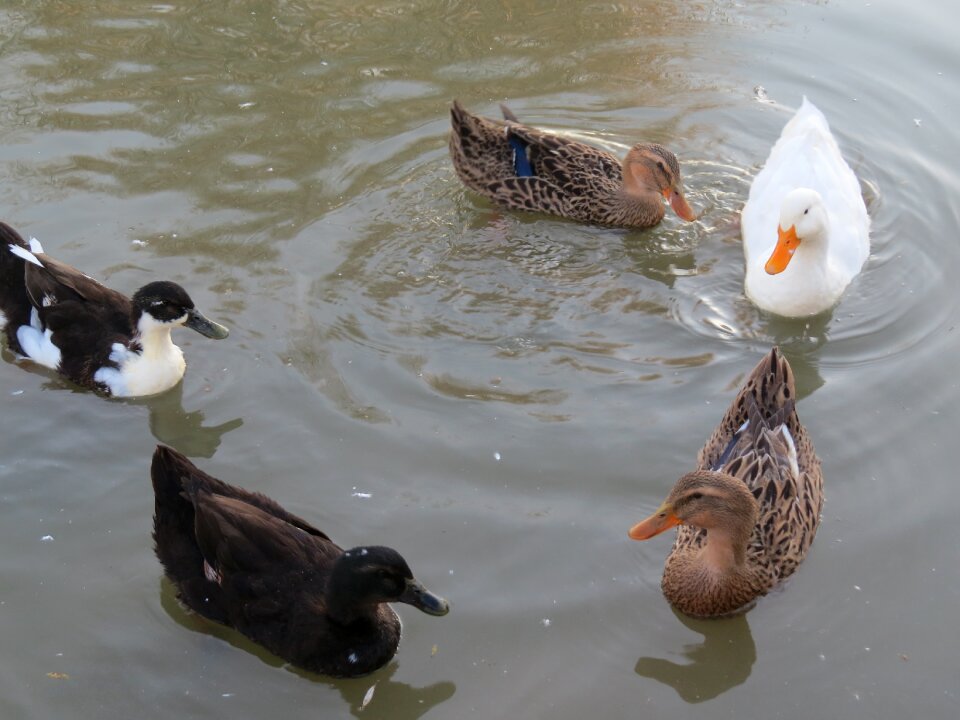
(519,167)
(239,558)
(749,512)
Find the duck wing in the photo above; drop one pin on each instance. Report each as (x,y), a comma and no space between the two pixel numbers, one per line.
(237,537)
(171,473)
(770,386)
(761,441)
(523,168)
(577,169)
(229,552)
(68,300)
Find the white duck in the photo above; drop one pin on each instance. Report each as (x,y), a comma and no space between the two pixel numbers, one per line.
(822,239)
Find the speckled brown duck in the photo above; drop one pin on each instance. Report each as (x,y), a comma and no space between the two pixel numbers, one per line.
(749,512)
(239,558)
(521,168)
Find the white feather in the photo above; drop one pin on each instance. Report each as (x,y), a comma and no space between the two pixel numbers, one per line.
(158,367)
(38,345)
(35,245)
(792,457)
(25,254)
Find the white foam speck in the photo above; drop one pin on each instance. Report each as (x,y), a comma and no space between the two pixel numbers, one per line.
(496,456)
(368,696)
(363,495)
(545,622)
(47,538)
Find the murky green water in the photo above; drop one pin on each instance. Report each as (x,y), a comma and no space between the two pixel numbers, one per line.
(512,391)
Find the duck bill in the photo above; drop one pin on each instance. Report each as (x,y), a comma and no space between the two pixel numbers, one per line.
(663,519)
(787,243)
(417,595)
(203,325)
(679,204)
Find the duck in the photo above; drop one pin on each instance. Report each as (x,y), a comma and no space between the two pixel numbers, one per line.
(747,515)
(805,227)
(522,168)
(99,338)
(240,559)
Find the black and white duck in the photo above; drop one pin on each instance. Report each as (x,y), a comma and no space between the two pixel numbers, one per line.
(65,320)
(237,557)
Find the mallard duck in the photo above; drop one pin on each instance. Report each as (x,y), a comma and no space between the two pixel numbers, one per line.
(240,559)
(99,338)
(519,167)
(801,265)
(749,512)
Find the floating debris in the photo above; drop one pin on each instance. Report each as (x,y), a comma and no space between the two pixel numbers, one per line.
(368,696)
(58,676)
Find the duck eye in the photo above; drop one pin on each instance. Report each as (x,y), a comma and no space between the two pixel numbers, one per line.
(697,496)
(661,165)
(806,211)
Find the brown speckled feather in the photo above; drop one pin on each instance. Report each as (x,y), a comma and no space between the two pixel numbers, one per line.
(790,498)
(571,179)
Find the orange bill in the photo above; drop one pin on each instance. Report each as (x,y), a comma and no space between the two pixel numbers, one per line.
(679,204)
(787,243)
(663,519)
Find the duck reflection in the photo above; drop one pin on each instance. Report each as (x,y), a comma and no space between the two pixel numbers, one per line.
(377,696)
(370,697)
(180,429)
(721,662)
(800,341)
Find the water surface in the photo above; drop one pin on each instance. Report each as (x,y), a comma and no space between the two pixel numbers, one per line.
(499,396)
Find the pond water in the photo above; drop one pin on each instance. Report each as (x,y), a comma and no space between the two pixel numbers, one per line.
(499,396)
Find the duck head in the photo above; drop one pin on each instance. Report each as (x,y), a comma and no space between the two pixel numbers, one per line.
(715,501)
(166,304)
(365,576)
(652,167)
(803,219)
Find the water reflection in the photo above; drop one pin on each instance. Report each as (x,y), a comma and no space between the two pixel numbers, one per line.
(722,661)
(172,425)
(375,695)
(390,699)
(801,342)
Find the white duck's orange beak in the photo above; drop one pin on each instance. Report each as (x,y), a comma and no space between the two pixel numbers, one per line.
(787,244)
(663,519)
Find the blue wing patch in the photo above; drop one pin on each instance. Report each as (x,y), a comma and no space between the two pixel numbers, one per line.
(521,163)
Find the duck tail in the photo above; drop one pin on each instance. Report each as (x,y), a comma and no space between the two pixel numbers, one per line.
(14,301)
(771,384)
(173,516)
(508,113)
